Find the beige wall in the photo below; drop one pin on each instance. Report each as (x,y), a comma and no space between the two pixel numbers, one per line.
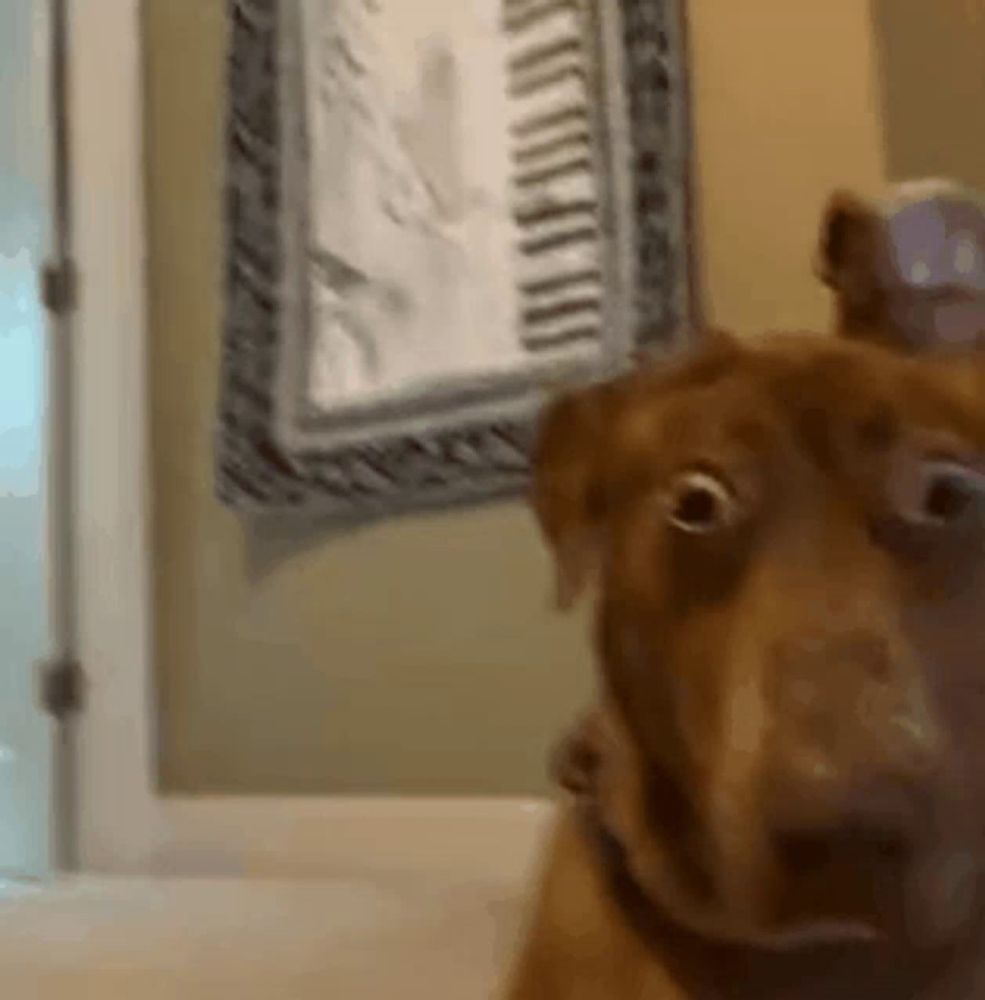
(785,109)
(420,656)
(932,67)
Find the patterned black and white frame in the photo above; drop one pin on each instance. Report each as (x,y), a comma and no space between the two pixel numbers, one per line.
(274,457)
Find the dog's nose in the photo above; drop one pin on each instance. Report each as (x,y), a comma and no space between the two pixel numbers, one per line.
(856,743)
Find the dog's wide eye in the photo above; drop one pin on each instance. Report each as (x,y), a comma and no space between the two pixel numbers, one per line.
(942,492)
(699,503)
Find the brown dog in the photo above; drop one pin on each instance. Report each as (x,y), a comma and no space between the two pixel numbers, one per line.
(785,794)
(788,544)
(868,254)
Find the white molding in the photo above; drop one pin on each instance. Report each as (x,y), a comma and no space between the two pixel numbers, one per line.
(124,825)
(481,838)
(118,812)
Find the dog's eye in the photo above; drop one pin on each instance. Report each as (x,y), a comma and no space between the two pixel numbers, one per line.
(943,492)
(699,503)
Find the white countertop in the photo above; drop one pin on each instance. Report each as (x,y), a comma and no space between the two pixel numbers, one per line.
(341,938)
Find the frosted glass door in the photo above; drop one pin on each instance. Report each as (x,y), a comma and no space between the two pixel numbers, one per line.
(26,733)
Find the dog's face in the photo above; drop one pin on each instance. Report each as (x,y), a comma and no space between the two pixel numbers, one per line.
(787,542)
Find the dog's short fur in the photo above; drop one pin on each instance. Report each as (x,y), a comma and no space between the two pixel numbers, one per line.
(780,793)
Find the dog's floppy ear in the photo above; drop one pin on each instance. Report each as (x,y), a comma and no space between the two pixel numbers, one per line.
(567,489)
(579,434)
(850,257)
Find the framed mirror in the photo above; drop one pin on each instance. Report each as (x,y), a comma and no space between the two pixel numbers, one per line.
(436,213)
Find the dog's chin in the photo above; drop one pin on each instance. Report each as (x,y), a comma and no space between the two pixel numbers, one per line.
(669,853)
(778,927)
(803,889)
(813,895)
(829,888)
(788,891)
(794,915)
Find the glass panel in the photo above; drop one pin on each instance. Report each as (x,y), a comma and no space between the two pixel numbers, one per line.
(25,733)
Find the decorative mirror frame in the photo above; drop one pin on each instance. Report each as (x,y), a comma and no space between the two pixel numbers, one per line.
(274,454)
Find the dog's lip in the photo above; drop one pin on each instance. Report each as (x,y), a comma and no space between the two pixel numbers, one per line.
(707,917)
(820,933)
(884,820)
(811,847)
(855,876)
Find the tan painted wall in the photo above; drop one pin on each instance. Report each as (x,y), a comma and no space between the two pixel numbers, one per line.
(420,656)
(932,68)
(785,108)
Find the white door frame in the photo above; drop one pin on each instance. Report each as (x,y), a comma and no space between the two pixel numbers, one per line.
(118,815)
(124,823)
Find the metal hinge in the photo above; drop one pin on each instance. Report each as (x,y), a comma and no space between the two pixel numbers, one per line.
(58,287)
(61,684)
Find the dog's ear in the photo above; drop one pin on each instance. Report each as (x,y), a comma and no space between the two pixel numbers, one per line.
(580,435)
(908,273)
(567,489)
(850,257)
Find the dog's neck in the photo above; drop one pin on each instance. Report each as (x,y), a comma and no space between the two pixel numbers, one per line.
(711,968)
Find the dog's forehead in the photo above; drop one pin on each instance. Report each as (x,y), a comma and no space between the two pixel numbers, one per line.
(786,391)
(872,394)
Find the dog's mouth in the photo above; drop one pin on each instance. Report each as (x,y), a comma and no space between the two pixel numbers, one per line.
(827,886)
(850,874)
(861,853)
(810,873)
(837,883)
(807,852)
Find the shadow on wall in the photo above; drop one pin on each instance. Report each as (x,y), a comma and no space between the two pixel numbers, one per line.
(273,540)
(270,541)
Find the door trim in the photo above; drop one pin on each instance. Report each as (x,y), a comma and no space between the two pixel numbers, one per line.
(60,457)
(119,816)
